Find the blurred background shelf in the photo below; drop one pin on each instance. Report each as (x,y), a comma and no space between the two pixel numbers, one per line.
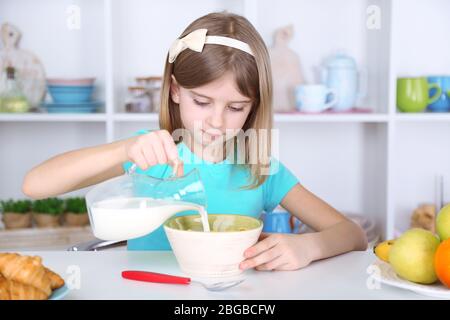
(45,117)
(423,117)
(331,118)
(381,164)
(278,117)
(136,117)
(31,239)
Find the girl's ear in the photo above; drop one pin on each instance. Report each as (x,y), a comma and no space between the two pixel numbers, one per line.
(175,90)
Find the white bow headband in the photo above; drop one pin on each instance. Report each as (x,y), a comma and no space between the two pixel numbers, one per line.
(198,38)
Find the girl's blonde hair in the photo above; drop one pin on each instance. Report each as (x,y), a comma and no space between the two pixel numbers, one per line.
(252,74)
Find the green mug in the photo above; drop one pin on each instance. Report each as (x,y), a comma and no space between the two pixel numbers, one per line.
(413,94)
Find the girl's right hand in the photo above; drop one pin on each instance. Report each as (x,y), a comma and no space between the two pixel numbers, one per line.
(156,147)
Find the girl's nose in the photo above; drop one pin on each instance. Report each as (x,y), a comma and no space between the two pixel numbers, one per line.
(216,118)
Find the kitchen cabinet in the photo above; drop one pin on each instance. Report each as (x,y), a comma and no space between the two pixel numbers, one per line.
(381,164)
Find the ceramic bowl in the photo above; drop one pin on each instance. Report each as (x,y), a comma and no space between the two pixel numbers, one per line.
(212,254)
(70,94)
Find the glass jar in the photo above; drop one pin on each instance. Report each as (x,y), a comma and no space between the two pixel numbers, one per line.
(12,99)
(138,100)
(153,86)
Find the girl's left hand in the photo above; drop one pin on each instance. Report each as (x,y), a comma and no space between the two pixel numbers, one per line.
(276,251)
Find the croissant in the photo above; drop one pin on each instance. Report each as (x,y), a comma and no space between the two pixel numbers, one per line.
(55,280)
(4,290)
(13,290)
(26,270)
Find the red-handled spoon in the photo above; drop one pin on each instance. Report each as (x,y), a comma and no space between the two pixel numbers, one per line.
(148,276)
(154,277)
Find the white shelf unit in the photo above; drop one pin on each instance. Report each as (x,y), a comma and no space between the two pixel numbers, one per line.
(61,117)
(359,163)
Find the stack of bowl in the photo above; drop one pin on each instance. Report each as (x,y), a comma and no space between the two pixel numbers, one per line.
(71,96)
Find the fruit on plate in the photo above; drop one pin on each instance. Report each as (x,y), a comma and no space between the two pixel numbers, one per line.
(382,249)
(443,223)
(442,262)
(412,256)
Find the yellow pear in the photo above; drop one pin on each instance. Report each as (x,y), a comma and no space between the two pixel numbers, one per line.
(412,256)
(443,223)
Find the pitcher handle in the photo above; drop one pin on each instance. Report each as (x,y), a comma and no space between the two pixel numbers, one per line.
(177,168)
(333,101)
(437,94)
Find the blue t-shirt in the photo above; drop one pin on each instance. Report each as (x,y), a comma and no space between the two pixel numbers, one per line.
(222,182)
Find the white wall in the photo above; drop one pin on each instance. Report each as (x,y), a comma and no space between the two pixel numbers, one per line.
(420,37)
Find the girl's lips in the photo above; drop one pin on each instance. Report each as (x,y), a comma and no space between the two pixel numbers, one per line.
(212,134)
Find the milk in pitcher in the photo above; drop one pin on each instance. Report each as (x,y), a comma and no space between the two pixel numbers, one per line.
(128,218)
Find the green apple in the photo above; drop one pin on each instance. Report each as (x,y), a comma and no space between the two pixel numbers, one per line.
(412,256)
(443,223)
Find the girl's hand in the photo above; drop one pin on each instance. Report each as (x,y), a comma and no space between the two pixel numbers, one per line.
(276,251)
(156,147)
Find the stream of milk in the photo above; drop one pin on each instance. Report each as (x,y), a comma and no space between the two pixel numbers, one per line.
(128,218)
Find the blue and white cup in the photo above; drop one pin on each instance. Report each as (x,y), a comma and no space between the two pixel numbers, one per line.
(313,97)
(442,104)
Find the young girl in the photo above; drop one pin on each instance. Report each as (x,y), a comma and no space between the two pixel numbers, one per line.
(217,83)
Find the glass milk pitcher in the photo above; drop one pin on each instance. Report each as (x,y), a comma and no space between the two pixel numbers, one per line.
(133,205)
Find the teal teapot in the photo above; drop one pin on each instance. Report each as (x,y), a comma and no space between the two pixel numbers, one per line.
(341,74)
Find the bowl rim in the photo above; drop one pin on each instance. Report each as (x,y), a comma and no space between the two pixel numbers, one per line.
(53,87)
(63,79)
(261,224)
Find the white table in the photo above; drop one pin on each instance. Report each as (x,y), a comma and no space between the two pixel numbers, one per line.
(341,277)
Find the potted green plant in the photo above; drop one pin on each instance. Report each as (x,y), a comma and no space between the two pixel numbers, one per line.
(76,212)
(48,212)
(16,214)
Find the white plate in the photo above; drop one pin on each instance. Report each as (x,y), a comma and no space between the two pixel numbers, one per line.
(60,293)
(388,276)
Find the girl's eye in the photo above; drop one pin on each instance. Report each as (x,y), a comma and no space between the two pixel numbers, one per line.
(236,109)
(199,103)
